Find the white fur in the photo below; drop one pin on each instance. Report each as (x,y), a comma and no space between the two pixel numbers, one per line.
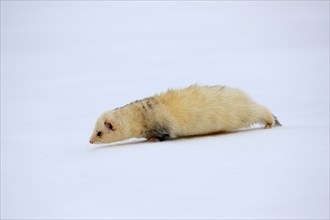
(195,110)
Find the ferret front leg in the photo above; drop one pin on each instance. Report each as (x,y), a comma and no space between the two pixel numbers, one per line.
(153,139)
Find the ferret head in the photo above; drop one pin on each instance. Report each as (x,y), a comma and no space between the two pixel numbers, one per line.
(109,127)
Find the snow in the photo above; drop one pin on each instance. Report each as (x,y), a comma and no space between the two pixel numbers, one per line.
(64,63)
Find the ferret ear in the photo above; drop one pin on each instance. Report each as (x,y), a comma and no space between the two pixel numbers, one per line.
(108,125)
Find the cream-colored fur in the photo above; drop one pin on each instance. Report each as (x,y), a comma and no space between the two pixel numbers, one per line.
(195,110)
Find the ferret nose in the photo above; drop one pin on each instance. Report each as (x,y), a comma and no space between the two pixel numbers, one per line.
(91,141)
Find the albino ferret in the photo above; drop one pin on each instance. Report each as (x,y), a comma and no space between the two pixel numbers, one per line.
(195,110)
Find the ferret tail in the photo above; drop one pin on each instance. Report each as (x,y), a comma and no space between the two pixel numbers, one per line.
(277,123)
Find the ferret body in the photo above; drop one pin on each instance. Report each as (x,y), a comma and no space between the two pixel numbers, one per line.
(195,110)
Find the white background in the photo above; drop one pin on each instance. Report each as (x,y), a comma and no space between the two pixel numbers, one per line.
(64,63)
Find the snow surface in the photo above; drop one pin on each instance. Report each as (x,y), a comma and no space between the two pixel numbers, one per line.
(64,63)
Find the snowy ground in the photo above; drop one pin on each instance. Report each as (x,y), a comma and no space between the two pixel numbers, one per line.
(64,63)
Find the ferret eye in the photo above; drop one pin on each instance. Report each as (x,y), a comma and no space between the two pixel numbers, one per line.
(99,134)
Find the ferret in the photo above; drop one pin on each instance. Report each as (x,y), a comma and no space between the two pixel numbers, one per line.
(191,111)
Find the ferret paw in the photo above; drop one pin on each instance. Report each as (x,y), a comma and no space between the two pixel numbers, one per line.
(153,139)
(268,125)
